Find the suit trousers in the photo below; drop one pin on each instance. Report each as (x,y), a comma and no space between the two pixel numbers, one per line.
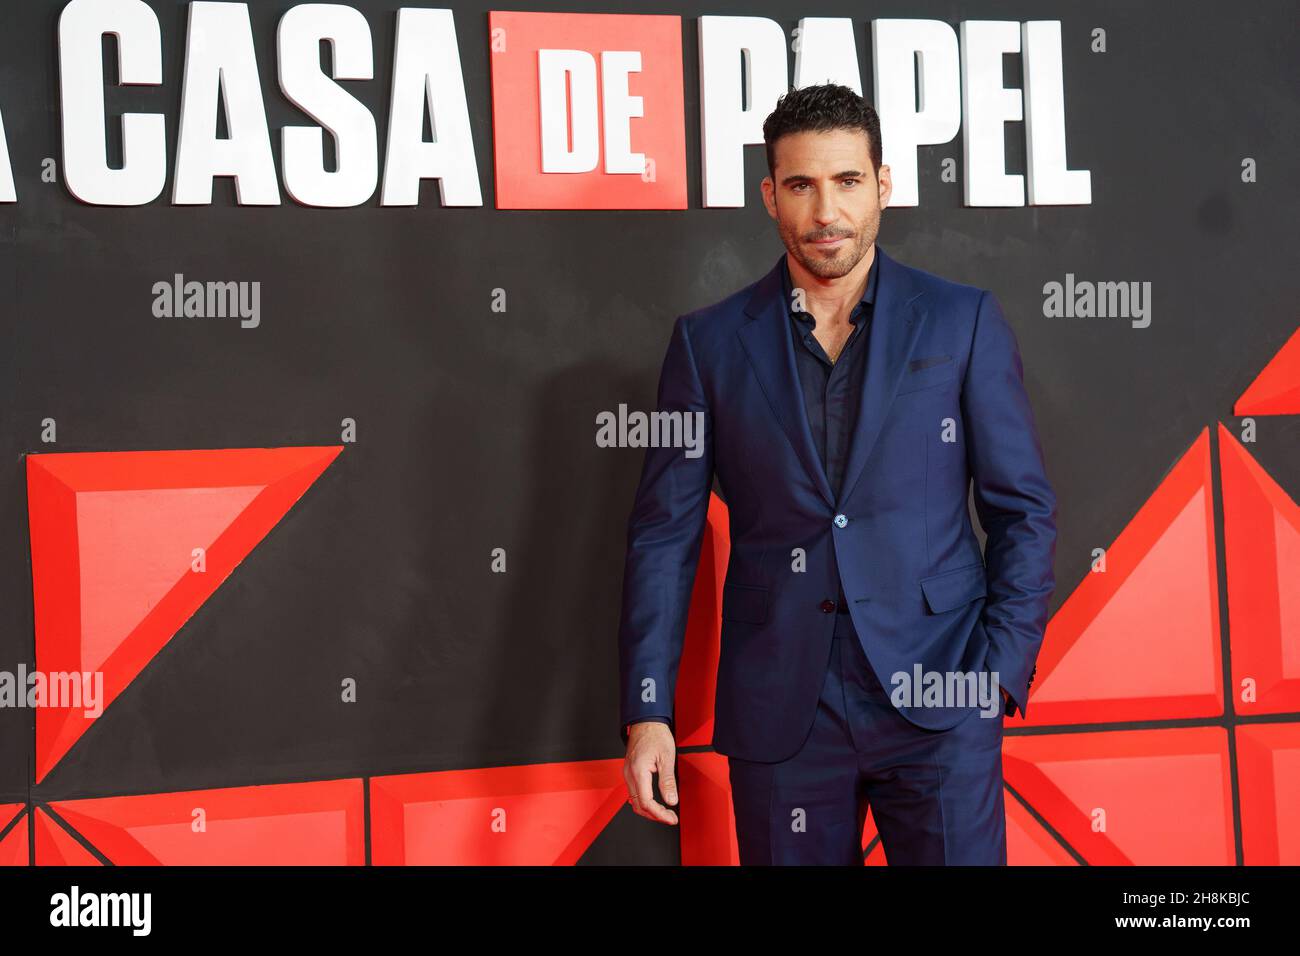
(936,797)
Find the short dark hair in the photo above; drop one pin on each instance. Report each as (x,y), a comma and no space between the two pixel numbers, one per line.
(821,108)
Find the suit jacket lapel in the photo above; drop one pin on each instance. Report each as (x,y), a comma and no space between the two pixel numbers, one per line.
(897,318)
(767,342)
(896,322)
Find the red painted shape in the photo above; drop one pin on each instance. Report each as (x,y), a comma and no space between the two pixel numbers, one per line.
(707,819)
(55,847)
(13,845)
(1276,389)
(112,538)
(877,856)
(1140,797)
(533,815)
(659,133)
(697,679)
(1028,843)
(150,528)
(321,823)
(1140,641)
(1268,776)
(1261,543)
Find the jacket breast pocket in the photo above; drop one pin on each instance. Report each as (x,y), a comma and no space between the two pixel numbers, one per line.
(927,372)
(744,603)
(951,589)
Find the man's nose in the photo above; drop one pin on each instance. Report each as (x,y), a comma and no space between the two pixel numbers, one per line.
(827,213)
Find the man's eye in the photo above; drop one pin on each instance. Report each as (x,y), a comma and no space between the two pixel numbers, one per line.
(849,181)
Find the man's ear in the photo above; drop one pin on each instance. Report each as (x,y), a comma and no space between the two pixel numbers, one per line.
(768,189)
(886,185)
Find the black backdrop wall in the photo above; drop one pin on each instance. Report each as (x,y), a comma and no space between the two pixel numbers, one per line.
(475,429)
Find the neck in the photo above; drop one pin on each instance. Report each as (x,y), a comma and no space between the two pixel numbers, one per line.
(834,297)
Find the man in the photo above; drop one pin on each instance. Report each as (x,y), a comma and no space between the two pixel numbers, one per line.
(848,402)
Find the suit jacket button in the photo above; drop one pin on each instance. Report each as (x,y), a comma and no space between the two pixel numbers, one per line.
(828,606)
(841,520)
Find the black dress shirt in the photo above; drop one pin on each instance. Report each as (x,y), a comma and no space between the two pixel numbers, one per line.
(832,391)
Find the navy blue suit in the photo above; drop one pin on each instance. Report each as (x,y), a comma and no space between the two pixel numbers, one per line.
(942,404)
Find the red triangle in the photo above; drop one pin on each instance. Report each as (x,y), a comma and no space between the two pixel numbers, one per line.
(1261,543)
(1140,640)
(698,674)
(13,845)
(1029,843)
(1276,389)
(113,536)
(871,833)
(117,594)
(534,815)
(55,847)
(1268,773)
(320,823)
(706,816)
(1144,797)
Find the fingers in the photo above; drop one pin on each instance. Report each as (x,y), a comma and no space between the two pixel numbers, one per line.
(644,802)
(638,773)
(668,783)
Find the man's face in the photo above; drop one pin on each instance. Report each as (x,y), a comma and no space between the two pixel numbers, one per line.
(826,199)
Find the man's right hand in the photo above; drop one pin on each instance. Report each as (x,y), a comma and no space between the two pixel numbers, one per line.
(650,750)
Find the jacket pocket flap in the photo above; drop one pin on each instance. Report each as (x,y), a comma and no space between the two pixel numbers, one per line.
(951,589)
(741,602)
(919,363)
(930,373)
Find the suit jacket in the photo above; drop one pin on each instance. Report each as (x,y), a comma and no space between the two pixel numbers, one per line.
(943,404)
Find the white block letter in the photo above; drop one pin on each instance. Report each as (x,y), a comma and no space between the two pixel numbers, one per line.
(1050,183)
(558,71)
(620,107)
(298,43)
(219,60)
(826,53)
(81,90)
(987,106)
(426,68)
(7,192)
(914,113)
(732,117)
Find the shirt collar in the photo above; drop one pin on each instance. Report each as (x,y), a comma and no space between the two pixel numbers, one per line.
(868,294)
